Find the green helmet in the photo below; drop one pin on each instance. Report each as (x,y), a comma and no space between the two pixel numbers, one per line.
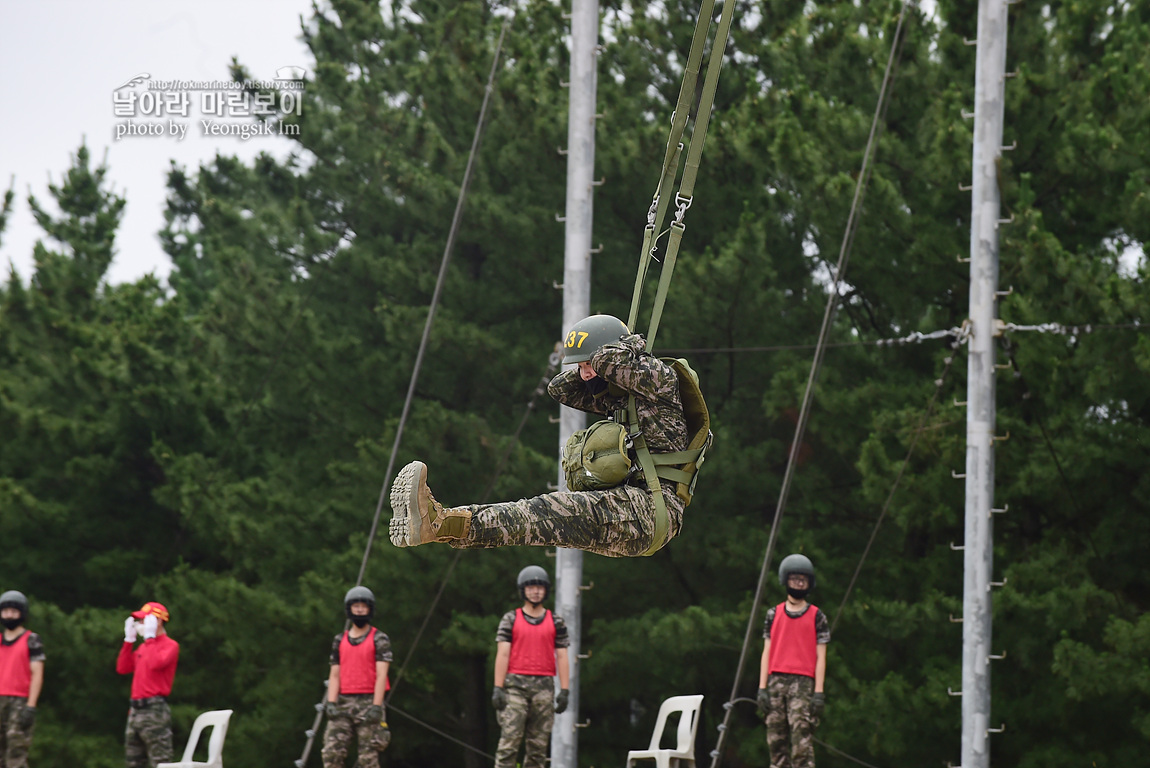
(590,333)
(796,564)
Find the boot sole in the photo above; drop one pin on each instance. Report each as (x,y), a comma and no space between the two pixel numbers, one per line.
(403,529)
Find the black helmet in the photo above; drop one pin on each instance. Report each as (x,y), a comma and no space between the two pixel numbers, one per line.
(359,595)
(533,574)
(797,564)
(14,599)
(590,333)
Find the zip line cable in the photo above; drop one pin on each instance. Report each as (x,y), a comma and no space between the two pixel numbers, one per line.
(440,279)
(808,395)
(435,730)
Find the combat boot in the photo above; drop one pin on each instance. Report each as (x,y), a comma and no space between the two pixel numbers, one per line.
(452,524)
(415,510)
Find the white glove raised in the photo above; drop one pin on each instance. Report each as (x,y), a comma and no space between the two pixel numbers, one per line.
(129,630)
(151,624)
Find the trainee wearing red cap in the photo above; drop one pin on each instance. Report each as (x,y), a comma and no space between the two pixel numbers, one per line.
(151,608)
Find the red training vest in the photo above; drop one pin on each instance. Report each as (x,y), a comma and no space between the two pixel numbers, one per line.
(15,668)
(793,642)
(532,646)
(357,665)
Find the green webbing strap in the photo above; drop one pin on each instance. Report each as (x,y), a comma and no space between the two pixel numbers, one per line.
(691,167)
(662,521)
(674,475)
(703,118)
(650,238)
(674,149)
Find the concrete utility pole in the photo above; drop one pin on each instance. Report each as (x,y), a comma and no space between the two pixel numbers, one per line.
(990,71)
(576,306)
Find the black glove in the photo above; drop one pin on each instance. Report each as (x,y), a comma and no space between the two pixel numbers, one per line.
(375,713)
(818,704)
(763,699)
(561,700)
(499,699)
(27,716)
(330,708)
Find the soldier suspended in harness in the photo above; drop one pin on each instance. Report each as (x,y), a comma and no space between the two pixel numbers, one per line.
(629,479)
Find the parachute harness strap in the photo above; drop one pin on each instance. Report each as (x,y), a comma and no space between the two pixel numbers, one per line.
(647,464)
(683,197)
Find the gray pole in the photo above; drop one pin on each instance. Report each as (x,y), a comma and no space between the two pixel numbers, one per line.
(576,306)
(990,71)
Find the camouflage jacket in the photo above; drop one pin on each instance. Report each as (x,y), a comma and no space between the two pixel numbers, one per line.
(628,367)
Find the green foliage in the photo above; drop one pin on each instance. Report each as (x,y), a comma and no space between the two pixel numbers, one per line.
(219,443)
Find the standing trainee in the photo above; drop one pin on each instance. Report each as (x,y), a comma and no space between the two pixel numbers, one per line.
(152,665)
(793,668)
(531,647)
(360,658)
(21,679)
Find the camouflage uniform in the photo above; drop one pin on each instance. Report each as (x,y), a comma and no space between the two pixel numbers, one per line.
(352,718)
(618,522)
(527,719)
(790,722)
(530,710)
(148,735)
(16,739)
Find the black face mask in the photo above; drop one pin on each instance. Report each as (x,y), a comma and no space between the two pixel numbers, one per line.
(360,621)
(797,594)
(596,385)
(11,623)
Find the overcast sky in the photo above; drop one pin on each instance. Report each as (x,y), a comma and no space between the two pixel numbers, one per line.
(63,59)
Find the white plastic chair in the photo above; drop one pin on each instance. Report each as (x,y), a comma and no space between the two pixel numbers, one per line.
(218,722)
(684,752)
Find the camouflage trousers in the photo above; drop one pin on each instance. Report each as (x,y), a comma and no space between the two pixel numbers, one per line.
(790,724)
(148,735)
(372,736)
(617,522)
(15,739)
(526,719)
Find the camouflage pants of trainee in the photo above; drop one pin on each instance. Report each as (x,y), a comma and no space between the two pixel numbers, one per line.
(790,724)
(14,738)
(148,736)
(527,718)
(372,736)
(617,522)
